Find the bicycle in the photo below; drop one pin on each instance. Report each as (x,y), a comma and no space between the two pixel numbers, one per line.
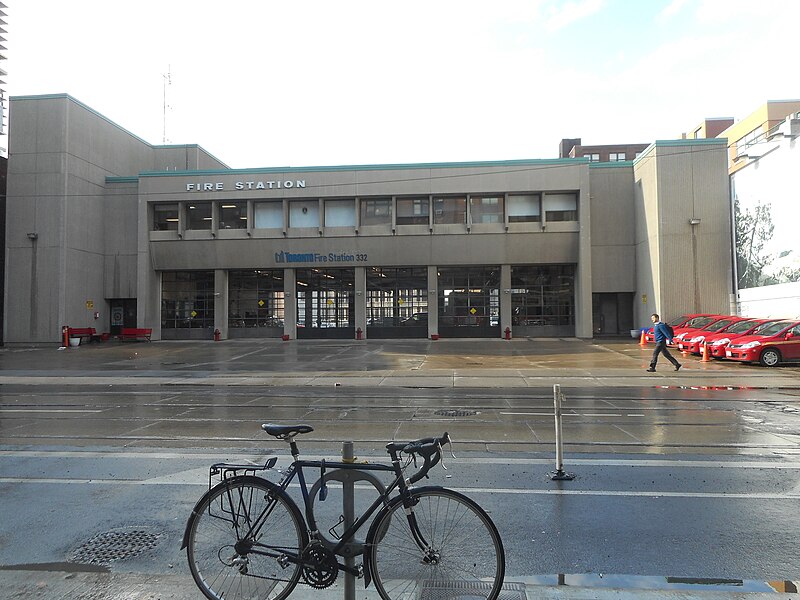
(247,538)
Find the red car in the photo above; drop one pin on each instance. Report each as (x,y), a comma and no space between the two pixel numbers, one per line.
(778,342)
(693,340)
(694,325)
(676,323)
(718,342)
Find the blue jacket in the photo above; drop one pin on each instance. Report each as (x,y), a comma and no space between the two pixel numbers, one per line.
(660,332)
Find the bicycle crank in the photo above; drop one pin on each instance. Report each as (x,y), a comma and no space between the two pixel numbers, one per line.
(320,568)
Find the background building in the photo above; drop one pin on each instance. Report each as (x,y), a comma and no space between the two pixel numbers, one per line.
(764,162)
(106,230)
(572,148)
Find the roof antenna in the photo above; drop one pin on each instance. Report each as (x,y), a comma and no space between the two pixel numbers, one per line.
(167,77)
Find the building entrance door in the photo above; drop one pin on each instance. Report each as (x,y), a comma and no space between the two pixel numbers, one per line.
(123,314)
(612,313)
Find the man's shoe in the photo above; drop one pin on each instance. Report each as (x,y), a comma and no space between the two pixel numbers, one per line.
(651,370)
(678,367)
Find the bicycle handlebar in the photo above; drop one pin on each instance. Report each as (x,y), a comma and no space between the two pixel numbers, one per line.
(430,449)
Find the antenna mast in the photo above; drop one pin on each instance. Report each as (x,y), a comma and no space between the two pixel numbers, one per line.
(167,77)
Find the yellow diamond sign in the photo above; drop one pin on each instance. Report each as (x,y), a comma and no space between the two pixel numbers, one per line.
(472,311)
(193,313)
(261,303)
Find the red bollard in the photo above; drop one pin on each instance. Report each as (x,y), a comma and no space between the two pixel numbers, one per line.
(359,334)
(217,334)
(508,333)
(65,336)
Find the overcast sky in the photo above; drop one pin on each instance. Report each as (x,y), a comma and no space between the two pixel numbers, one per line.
(260,83)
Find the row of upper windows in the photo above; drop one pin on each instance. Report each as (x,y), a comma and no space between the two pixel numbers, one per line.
(358,212)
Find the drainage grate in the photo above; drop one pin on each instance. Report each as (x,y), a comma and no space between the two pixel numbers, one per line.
(107,547)
(469,590)
(455,413)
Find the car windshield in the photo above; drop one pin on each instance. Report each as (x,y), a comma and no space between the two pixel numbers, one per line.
(721,324)
(679,321)
(740,327)
(699,322)
(773,328)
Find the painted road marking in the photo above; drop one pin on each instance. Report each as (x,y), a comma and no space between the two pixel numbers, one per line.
(476,490)
(221,456)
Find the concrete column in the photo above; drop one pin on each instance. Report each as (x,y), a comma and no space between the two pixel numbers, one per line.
(221,302)
(433,300)
(360,319)
(505,298)
(583,272)
(289,303)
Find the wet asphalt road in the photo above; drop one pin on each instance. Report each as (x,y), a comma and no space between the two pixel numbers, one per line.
(697,477)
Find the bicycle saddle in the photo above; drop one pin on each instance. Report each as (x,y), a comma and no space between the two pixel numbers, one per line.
(282,431)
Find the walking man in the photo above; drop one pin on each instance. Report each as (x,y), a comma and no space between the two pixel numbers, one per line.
(661,334)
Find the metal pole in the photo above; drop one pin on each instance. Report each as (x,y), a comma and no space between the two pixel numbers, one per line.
(349,511)
(559,473)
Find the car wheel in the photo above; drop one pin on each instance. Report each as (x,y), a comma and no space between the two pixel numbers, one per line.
(770,357)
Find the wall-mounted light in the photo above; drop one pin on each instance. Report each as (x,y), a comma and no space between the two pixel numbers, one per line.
(506,291)
(432,292)
(359,293)
(33,236)
(694,221)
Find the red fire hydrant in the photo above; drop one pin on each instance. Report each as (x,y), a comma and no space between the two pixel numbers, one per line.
(359,334)
(217,334)
(508,333)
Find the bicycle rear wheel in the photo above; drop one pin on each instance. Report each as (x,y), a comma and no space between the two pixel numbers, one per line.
(227,562)
(463,553)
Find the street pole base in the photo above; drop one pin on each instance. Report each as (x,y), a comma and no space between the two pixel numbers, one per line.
(561,475)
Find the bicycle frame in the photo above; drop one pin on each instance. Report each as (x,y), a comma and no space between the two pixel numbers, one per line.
(296,469)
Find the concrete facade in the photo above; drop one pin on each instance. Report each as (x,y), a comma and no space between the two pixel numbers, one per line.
(81,235)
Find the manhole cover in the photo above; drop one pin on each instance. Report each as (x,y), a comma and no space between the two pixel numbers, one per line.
(455,413)
(107,547)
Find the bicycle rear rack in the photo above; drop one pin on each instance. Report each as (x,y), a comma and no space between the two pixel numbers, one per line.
(225,471)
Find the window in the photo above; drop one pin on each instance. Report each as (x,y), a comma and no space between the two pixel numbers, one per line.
(560,207)
(524,208)
(255,298)
(269,215)
(543,295)
(165,217)
(376,211)
(198,215)
(592,157)
(450,211)
(486,209)
(325,298)
(412,211)
(469,297)
(397,297)
(616,156)
(233,215)
(187,299)
(340,213)
(304,213)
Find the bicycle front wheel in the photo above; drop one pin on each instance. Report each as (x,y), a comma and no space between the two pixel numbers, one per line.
(245,537)
(446,547)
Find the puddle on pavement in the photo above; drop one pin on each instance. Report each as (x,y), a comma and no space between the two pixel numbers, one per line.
(65,567)
(603,580)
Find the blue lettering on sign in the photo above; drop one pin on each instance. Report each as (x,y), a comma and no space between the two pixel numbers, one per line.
(315,257)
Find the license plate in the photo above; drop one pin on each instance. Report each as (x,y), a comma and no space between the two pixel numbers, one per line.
(680,346)
(728,353)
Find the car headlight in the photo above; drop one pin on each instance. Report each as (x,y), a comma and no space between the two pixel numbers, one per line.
(699,338)
(680,336)
(721,342)
(751,344)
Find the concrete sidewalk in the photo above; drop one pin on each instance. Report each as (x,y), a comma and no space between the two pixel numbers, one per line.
(30,585)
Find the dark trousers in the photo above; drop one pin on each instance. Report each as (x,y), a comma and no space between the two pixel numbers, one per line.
(661,347)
